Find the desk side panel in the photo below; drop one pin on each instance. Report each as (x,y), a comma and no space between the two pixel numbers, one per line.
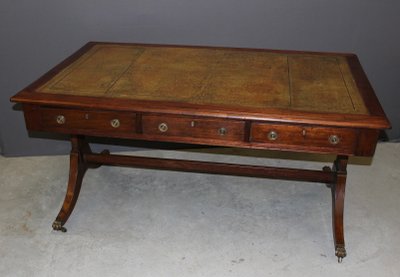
(366,143)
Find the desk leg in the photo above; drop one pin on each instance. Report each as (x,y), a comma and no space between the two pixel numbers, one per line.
(338,193)
(76,172)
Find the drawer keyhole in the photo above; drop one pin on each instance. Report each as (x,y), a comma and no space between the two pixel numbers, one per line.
(222,131)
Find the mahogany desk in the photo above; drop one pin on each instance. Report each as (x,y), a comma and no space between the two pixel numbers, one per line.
(247,98)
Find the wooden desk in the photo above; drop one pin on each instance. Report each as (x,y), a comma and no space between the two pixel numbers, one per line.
(248,98)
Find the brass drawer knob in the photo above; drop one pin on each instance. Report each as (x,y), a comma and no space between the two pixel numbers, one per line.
(60,119)
(115,123)
(334,139)
(163,127)
(272,135)
(222,131)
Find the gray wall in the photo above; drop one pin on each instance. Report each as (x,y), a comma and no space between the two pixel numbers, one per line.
(35,35)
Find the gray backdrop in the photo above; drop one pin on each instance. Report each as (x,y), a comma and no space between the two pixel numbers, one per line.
(35,35)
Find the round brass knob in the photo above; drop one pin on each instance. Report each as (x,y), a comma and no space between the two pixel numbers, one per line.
(115,123)
(222,131)
(334,139)
(163,127)
(60,119)
(272,135)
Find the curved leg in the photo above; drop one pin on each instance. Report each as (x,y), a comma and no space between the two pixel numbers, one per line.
(338,193)
(76,172)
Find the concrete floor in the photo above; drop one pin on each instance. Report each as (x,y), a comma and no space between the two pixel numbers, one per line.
(132,222)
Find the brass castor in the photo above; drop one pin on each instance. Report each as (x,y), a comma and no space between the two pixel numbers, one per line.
(57,226)
(340,252)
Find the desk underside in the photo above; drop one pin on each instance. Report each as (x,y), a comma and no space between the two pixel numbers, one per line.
(225,77)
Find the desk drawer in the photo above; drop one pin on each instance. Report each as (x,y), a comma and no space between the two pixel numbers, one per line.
(87,122)
(193,127)
(297,137)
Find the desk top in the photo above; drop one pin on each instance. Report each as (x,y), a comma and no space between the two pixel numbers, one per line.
(239,82)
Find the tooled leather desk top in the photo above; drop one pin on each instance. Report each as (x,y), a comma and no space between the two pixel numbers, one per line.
(308,82)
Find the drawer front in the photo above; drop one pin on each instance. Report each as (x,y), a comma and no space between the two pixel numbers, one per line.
(292,137)
(87,122)
(193,127)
